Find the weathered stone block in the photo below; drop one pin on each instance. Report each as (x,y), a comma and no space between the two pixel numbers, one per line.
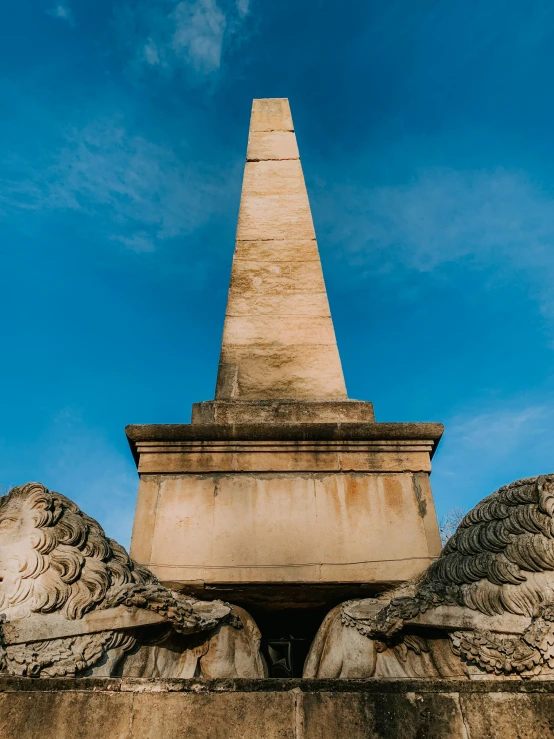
(271,114)
(274,709)
(244,715)
(285,371)
(302,277)
(273,331)
(264,145)
(277,411)
(381,715)
(282,304)
(498,715)
(286,526)
(276,251)
(75,714)
(274,202)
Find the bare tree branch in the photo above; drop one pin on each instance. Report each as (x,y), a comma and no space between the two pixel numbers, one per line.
(449,523)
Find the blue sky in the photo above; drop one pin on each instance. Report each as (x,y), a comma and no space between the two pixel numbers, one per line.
(425,131)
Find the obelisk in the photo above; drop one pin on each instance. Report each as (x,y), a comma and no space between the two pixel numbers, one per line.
(279,356)
(278,339)
(282,493)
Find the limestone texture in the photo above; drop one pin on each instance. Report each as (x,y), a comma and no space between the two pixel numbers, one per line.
(278,337)
(305,502)
(274,709)
(283,411)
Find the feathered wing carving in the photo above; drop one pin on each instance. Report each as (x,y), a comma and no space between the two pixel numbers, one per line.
(500,561)
(55,561)
(498,548)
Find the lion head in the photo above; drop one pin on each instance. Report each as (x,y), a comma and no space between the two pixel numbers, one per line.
(53,557)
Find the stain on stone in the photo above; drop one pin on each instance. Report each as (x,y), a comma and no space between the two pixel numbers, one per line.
(421,502)
(394,494)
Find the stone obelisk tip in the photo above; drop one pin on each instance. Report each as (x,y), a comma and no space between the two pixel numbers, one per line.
(271,114)
(278,339)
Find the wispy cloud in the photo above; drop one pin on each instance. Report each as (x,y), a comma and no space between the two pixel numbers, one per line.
(63,12)
(484,449)
(243,6)
(501,432)
(173,36)
(197,36)
(140,194)
(476,218)
(140,242)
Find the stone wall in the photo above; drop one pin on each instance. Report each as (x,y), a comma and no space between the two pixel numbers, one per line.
(274,709)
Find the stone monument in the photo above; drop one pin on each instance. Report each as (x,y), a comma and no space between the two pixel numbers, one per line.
(283,495)
(282,534)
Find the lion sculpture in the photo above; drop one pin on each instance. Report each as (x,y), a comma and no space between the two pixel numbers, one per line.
(484,608)
(73,603)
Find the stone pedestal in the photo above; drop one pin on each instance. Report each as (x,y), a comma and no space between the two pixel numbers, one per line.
(339,506)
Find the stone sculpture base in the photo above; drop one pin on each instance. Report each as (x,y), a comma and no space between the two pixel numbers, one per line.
(111,708)
(225,506)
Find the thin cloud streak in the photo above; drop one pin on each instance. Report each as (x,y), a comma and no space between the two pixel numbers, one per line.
(63,12)
(485,449)
(137,192)
(477,219)
(198,34)
(243,7)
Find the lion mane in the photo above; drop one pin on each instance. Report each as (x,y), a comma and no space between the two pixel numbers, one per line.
(68,563)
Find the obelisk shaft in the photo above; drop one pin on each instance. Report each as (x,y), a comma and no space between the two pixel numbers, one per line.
(278,338)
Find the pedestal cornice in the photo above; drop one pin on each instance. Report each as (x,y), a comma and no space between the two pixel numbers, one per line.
(329,447)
